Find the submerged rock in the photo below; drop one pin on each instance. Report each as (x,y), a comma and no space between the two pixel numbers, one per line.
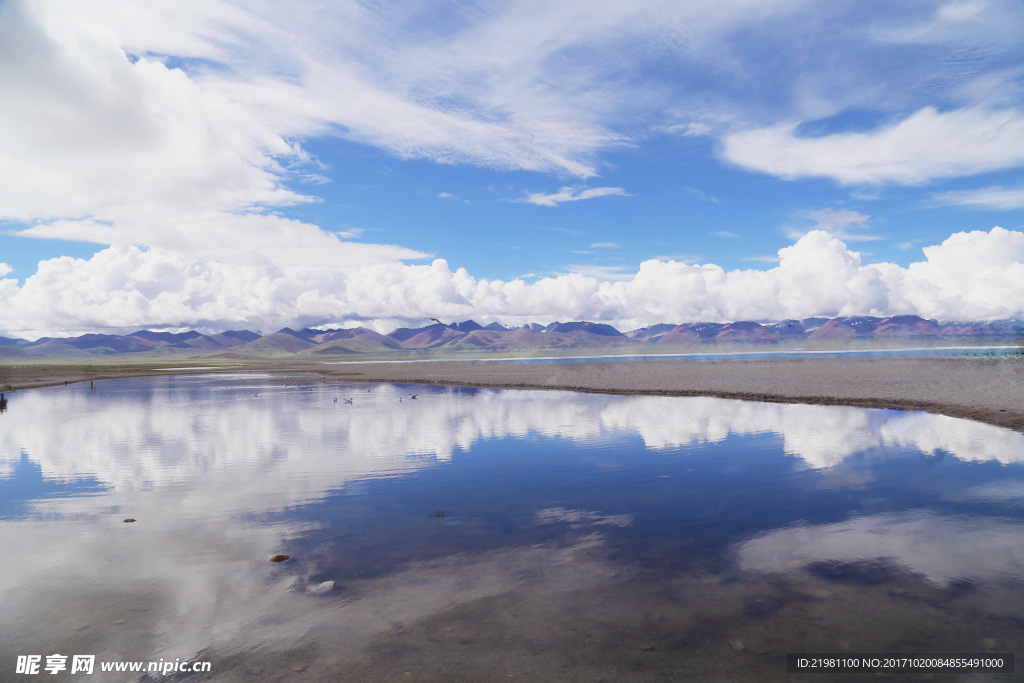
(322,587)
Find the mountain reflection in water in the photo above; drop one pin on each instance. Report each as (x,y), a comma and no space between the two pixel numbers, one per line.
(546,534)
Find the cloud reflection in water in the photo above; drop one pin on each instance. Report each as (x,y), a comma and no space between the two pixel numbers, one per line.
(207,469)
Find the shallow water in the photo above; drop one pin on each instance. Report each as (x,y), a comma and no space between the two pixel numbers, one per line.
(484,535)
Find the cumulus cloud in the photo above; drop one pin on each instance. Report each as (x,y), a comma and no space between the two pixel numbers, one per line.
(970,276)
(926,145)
(5,269)
(570,194)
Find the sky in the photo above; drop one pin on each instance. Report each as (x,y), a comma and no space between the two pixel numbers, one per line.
(223,165)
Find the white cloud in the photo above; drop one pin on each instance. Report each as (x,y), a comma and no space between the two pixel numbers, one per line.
(694,129)
(242,238)
(520,84)
(724,233)
(84,130)
(169,464)
(998,198)
(570,194)
(702,195)
(605,245)
(605,273)
(447,195)
(349,233)
(939,548)
(823,437)
(980,21)
(970,276)
(5,269)
(926,145)
(102,140)
(98,148)
(838,223)
(153,123)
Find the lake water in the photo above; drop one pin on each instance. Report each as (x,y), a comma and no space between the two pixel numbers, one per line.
(986,352)
(485,535)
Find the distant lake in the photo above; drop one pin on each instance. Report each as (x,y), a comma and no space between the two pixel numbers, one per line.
(486,535)
(926,352)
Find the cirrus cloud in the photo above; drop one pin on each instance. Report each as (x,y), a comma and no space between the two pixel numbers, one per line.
(999,198)
(570,194)
(927,145)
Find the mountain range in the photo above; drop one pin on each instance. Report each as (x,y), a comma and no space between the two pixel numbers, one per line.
(470,338)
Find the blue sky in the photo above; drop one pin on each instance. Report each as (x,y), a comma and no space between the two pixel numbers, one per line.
(679,201)
(231,165)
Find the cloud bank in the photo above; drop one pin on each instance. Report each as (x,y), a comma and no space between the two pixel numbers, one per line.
(970,276)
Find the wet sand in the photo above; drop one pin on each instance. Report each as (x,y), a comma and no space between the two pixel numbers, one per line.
(986,390)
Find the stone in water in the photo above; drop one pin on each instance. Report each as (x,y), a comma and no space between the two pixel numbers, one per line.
(322,588)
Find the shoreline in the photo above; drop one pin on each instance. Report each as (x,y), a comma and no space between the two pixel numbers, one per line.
(984,390)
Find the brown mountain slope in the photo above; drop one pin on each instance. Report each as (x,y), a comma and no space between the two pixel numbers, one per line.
(276,344)
(361,340)
(430,337)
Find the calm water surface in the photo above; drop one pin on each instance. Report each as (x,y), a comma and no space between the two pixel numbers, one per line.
(484,535)
(987,352)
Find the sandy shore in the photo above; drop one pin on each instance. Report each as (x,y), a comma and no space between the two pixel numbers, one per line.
(989,391)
